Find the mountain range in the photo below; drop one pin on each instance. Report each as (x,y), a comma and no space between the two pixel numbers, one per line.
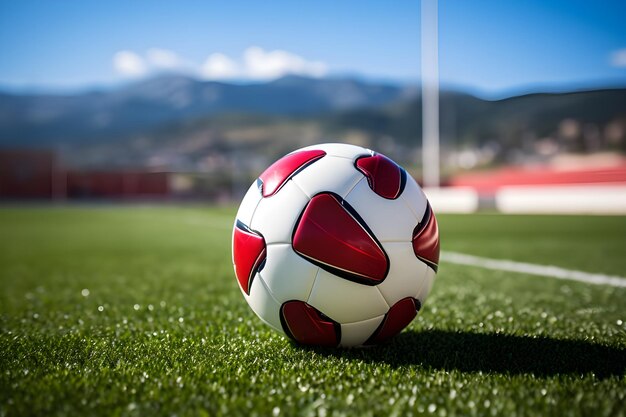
(47,119)
(172,118)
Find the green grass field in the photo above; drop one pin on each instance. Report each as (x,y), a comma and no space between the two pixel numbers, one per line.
(136,311)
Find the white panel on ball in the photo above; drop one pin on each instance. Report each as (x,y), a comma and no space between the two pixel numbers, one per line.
(390,220)
(249,204)
(415,198)
(355,334)
(341,150)
(275,216)
(406,273)
(263,304)
(287,275)
(429,280)
(346,301)
(329,174)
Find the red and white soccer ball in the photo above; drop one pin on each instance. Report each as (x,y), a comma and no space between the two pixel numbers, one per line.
(335,245)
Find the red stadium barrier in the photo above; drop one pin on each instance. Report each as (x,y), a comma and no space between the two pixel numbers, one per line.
(35,174)
(28,174)
(487,183)
(100,184)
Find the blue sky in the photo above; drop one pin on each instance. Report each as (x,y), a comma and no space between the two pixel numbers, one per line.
(490,47)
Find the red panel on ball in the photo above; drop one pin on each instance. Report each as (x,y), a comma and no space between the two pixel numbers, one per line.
(274,177)
(329,235)
(384,176)
(308,326)
(249,252)
(426,239)
(397,318)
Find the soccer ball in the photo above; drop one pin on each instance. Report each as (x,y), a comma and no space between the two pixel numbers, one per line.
(335,245)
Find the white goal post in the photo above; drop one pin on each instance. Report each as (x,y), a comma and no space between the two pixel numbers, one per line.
(430,93)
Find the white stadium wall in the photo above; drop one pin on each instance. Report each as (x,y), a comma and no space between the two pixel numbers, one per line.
(544,199)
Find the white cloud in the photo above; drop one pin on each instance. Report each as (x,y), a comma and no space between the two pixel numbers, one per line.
(219,67)
(261,64)
(618,58)
(129,64)
(164,59)
(254,64)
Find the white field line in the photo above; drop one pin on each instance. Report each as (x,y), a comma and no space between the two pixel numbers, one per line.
(533,269)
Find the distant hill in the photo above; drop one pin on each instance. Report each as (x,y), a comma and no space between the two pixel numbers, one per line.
(32,119)
(180,123)
(470,120)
